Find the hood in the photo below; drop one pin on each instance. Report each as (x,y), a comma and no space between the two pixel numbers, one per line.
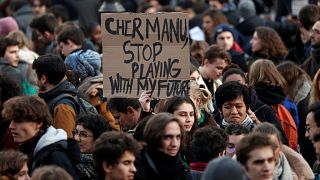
(269,94)
(52,135)
(64,87)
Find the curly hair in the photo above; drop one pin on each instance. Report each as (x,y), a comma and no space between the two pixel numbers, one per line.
(272,44)
(27,109)
(95,123)
(208,143)
(264,71)
(11,162)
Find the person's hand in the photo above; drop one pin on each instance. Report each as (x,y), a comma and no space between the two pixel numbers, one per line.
(253,117)
(145,99)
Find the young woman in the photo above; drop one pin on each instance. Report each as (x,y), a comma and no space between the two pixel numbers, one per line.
(13,165)
(161,158)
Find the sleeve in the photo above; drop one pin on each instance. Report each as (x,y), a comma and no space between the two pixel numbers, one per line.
(65,118)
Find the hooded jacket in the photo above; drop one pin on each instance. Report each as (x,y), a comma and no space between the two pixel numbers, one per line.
(64,113)
(52,148)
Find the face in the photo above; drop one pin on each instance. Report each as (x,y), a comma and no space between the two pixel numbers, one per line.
(125,169)
(214,4)
(185,114)
(235,77)
(214,70)
(38,8)
(255,43)
(311,126)
(274,139)
(225,40)
(11,55)
(96,34)
(207,25)
(23,131)
(233,143)
(126,120)
(315,34)
(234,111)
(261,164)
(65,49)
(171,140)
(23,173)
(195,77)
(85,138)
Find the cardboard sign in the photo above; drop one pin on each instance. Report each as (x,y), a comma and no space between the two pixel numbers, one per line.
(145,52)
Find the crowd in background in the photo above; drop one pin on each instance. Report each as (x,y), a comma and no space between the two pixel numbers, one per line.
(253,109)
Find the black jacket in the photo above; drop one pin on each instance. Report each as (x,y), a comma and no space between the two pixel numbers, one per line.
(156,165)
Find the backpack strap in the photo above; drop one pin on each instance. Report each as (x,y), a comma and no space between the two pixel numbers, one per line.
(64,99)
(82,106)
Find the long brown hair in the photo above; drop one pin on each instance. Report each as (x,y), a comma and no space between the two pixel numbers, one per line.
(315,93)
(264,71)
(272,44)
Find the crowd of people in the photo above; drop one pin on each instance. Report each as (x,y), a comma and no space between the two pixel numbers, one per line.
(253,109)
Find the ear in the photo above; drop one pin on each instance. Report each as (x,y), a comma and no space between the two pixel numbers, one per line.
(198,101)
(47,35)
(69,43)
(130,110)
(221,114)
(43,79)
(106,168)
(206,62)
(39,125)
(94,92)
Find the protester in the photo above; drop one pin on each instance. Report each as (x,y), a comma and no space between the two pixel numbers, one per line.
(257,148)
(233,102)
(267,44)
(214,140)
(50,173)
(52,82)
(89,128)
(289,164)
(161,158)
(114,154)
(31,127)
(235,133)
(13,165)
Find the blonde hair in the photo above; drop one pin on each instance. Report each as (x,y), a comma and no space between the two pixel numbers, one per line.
(20,37)
(205,96)
(264,71)
(315,93)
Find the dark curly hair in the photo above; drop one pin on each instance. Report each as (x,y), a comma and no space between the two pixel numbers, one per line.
(207,143)
(95,123)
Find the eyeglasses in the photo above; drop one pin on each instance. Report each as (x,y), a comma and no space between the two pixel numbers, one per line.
(81,134)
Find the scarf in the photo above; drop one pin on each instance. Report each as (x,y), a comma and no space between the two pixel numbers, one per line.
(86,167)
(246,123)
(283,170)
(198,166)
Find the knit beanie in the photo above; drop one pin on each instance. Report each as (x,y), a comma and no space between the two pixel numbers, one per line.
(7,24)
(223,168)
(84,63)
(246,8)
(222,28)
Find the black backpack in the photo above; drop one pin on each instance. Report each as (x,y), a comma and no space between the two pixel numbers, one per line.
(80,105)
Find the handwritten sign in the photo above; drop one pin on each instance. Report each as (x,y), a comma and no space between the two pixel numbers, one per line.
(145,52)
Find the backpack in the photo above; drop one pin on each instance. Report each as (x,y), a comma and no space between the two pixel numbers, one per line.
(288,125)
(81,105)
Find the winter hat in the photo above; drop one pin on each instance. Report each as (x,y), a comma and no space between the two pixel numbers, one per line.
(223,168)
(223,28)
(247,8)
(84,63)
(7,24)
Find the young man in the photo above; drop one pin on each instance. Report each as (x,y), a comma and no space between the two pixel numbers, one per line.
(313,121)
(215,141)
(256,154)
(235,133)
(215,60)
(127,112)
(51,79)
(31,127)
(70,40)
(114,155)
